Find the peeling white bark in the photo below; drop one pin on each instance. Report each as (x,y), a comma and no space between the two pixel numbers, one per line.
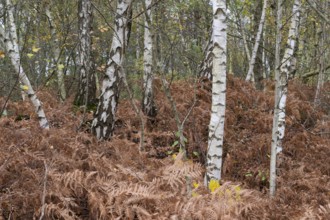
(216,127)
(250,74)
(104,119)
(8,35)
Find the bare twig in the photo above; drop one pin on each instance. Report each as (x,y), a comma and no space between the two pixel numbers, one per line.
(322,15)
(179,123)
(313,73)
(44,192)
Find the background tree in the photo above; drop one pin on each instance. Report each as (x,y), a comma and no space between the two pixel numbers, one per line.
(9,37)
(250,74)
(57,53)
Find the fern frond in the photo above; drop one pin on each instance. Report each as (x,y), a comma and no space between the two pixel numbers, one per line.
(53,211)
(176,174)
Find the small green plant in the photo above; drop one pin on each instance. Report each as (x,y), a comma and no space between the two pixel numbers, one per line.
(176,143)
(248,174)
(262,175)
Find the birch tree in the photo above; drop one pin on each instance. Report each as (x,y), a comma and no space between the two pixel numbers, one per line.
(250,74)
(148,105)
(8,36)
(57,54)
(282,72)
(321,64)
(104,118)
(87,86)
(217,121)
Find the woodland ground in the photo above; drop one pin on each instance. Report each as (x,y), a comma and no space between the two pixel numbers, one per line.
(81,178)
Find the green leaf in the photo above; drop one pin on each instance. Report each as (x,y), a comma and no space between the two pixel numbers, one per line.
(60,67)
(175,143)
(248,174)
(196,153)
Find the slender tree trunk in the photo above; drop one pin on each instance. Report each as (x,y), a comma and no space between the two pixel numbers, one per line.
(148,105)
(104,118)
(87,86)
(273,157)
(8,35)
(250,74)
(246,46)
(288,64)
(282,72)
(322,50)
(217,121)
(57,55)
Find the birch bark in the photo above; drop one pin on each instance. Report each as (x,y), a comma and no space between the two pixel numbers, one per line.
(104,118)
(87,86)
(282,72)
(206,66)
(8,35)
(217,121)
(148,105)
(57,55)
(250,74)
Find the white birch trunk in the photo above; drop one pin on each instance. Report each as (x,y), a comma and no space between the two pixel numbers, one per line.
(282,72)
(57,55)
(217,121)
(8,35)
(273,156)
(250,74)
(148,105)
(87,86)
(104,119)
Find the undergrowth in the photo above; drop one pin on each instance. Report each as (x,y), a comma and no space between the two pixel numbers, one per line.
(65,174)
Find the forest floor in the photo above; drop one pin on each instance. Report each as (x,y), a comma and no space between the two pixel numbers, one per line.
(67,174)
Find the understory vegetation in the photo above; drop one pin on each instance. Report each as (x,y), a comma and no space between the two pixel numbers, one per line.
(65,173)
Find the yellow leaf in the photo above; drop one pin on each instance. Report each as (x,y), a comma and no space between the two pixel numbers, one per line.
(237,189)
(2,54)
(196,185)
(30,55)
(174,156)
(24,87)
(35,49)
(194,194)
(214,185)
(103,29)
(60,66)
